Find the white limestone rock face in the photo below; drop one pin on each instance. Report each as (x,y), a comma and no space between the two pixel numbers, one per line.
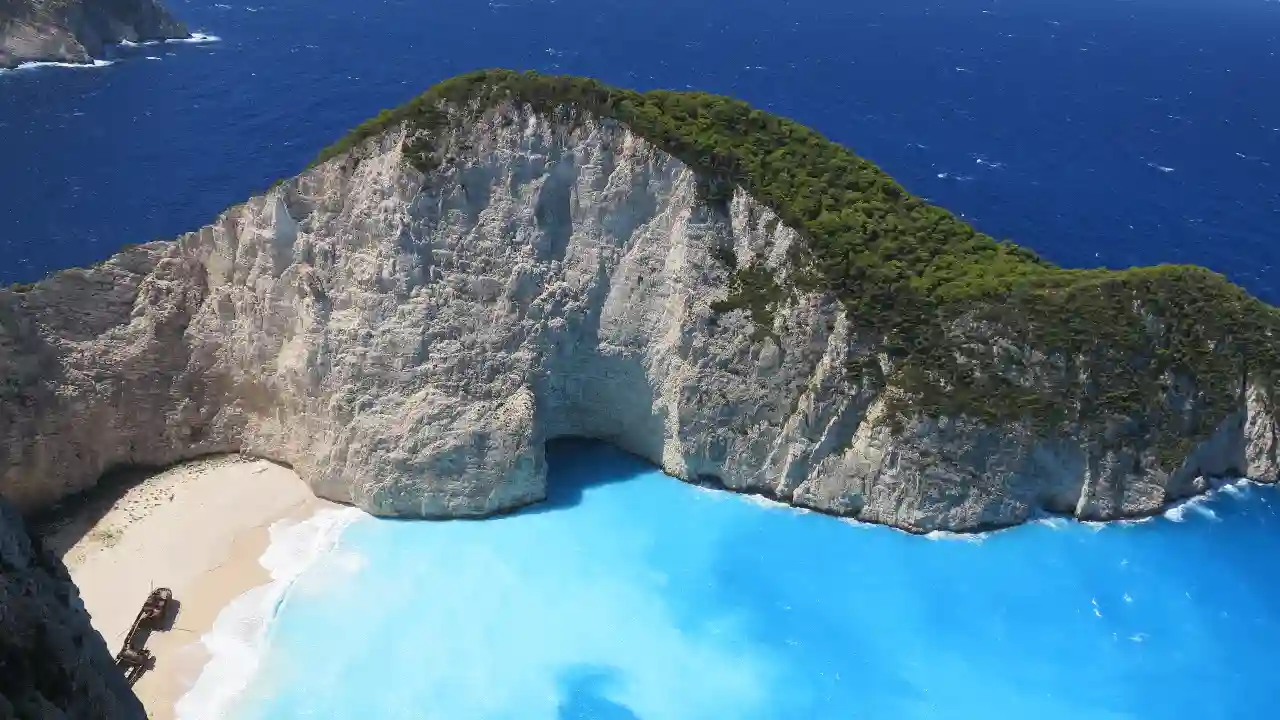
(409,343)
(53,664)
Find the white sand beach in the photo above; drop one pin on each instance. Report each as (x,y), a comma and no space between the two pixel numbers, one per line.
(199,529)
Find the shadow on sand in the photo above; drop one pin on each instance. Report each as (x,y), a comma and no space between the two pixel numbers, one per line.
(60,526)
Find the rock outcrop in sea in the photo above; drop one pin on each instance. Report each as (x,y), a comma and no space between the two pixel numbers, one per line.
(78,31)
(53,664)
(408,322)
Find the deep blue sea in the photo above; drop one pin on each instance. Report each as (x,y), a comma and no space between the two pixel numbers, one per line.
(1098,132)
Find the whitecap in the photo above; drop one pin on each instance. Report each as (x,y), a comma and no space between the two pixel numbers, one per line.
(35,65)
(956,537)
(1178,513)
(196,38)
(1131,521)
(763,501)
(1054,522)
(1205,511)
(1235,488)
(1097,525)
(239,636)
(854,522)
(1161,168)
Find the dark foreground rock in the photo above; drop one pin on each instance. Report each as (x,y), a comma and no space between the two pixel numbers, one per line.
(53,664)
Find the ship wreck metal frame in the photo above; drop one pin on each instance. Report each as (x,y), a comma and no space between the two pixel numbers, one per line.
(156,615)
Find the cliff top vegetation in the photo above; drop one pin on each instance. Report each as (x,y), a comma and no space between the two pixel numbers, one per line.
(975,327)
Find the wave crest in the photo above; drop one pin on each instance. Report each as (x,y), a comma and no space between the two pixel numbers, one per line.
(35,65)
(196,38)
(240,634)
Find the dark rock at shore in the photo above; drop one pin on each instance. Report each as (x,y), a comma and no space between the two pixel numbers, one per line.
(76,31)
(53,664)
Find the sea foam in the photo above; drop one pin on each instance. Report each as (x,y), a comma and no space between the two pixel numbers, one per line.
(35,65)
(195,39)
(241,633)
(1199,504)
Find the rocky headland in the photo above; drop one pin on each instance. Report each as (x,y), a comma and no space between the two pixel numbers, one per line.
(514,258)
(78,31)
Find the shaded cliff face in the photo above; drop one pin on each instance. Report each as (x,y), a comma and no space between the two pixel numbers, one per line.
(53,664)
(409,341)
(77,31)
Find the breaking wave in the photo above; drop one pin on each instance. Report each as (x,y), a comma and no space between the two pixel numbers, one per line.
(196,38)
(240,634)
(35,65)
(1200,503)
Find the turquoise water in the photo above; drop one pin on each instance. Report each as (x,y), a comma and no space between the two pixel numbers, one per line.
(633,595)
(1098,132)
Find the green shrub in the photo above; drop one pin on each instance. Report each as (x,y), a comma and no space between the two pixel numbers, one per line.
(935,293)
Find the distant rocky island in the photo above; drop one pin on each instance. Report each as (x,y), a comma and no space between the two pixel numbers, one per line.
(512,258)
(78,31)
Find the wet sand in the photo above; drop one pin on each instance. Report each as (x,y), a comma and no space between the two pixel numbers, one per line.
(196,528)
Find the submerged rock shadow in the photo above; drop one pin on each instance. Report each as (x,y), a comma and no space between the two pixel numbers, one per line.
(585,689)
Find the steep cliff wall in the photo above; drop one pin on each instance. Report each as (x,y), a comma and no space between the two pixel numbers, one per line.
(408,341)
(53,664)
(77,31)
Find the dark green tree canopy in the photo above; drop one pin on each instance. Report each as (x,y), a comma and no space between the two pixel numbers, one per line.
(973,326)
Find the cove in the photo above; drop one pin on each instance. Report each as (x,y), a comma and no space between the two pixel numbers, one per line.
(630,594)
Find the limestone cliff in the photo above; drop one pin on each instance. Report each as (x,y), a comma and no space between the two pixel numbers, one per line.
(53,664)
(408,335)
(77,31)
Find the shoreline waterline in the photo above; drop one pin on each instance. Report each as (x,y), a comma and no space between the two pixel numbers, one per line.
(234,643)
(234,535)
(198,528)
(634,594)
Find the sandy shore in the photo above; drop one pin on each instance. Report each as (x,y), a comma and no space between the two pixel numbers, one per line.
(197,528)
